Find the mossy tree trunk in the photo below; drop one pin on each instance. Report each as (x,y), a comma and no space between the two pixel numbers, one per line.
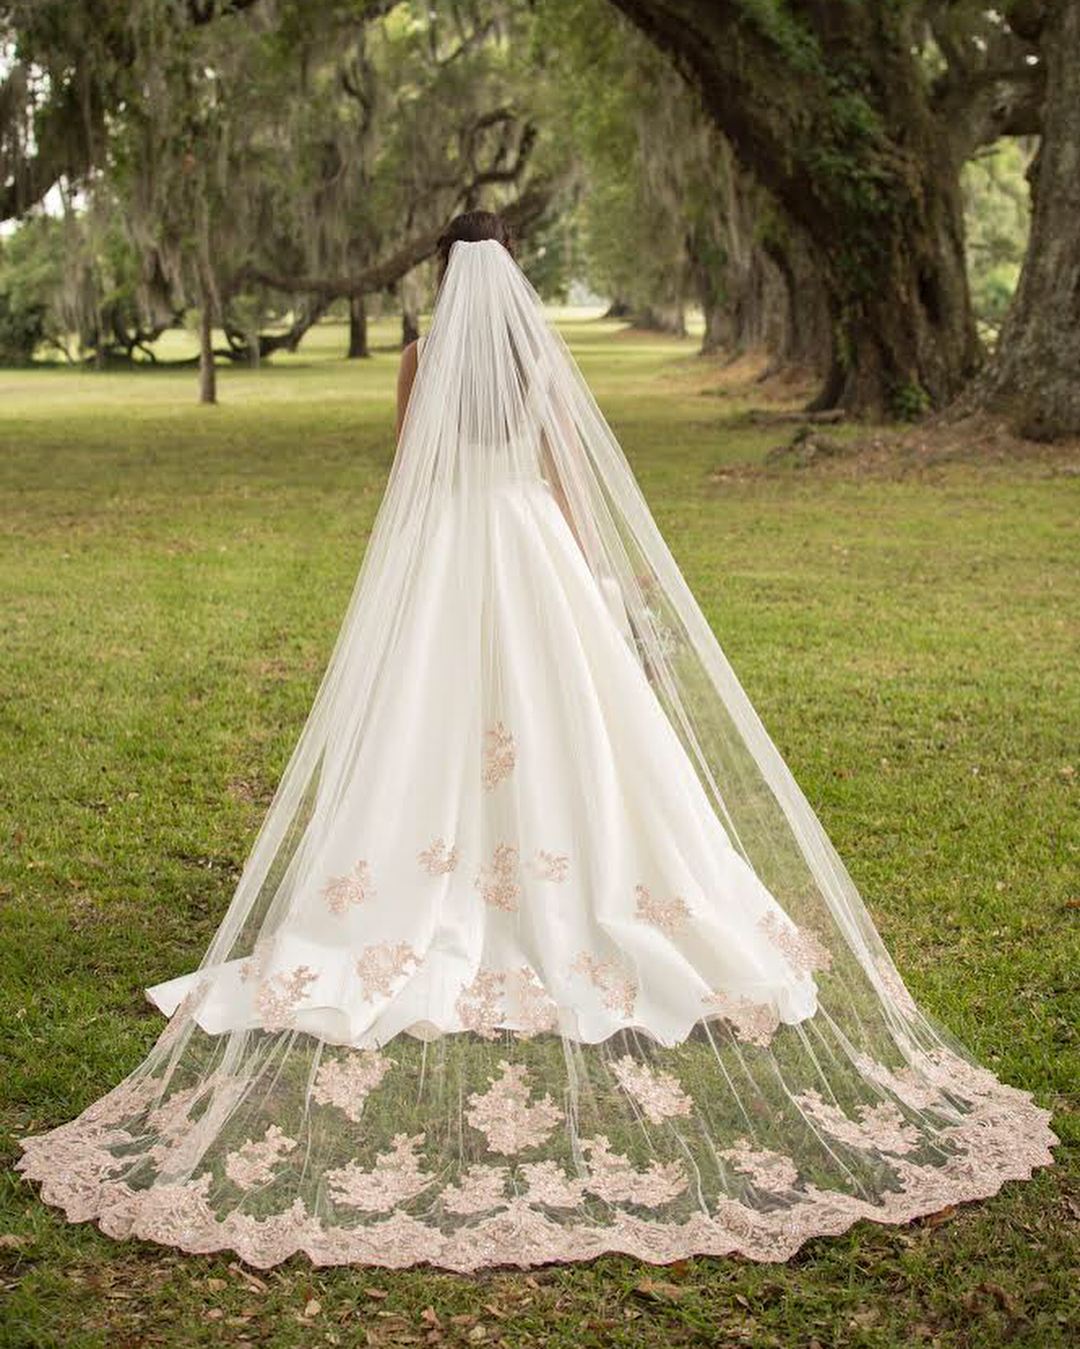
(1034,375)
(829,105)
(358,331)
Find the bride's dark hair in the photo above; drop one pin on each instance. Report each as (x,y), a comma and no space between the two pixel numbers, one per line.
(471,227)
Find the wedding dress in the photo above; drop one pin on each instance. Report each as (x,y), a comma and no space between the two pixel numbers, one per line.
(539,951)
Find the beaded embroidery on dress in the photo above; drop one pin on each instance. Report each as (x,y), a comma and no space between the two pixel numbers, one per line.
(539,952)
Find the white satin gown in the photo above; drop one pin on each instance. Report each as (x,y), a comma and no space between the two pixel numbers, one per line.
(524,842)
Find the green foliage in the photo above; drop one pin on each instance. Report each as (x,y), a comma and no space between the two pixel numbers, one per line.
(997,212)
(649,162)
(909,401)
(28,275)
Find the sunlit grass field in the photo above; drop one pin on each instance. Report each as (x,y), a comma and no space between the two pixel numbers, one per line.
(172,578)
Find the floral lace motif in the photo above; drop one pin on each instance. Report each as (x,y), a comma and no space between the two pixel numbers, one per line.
(618,987)
(549,866)
(395,1178)
(346,1081)
(498,883)
(506,1117)
(550,1185)
(1001,1135)
(666,914)
(755,1022)
(881,1126)
(479,1190)
(500,755)
(804,949)
(768,1170)
(277,1006)
(908,1083)
(341,891)
(536,1011)
(382,965)
(436,859)
(253,1163)
(477,1005)
(890,981)
(658,1094)
(613,1176)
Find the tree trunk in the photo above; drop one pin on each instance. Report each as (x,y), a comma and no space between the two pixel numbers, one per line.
(1033,377)
(805,329)
(833,114)
(619,308)
(207,372)
(358,336)
(660,318)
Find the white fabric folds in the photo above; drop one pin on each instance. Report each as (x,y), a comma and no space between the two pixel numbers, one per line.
(540,952)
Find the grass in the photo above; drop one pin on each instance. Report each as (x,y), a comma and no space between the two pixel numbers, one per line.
(173,578)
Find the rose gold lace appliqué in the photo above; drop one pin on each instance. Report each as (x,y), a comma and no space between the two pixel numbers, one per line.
(658,1094)
(382,965)
(477,1003)
(618,987)
(894,986)
(500,755)
(342,891)
(1002,1135)
(768,1170)
(436,859)
(803,948)
(537,1012)
(549,1184)
(505,1115)
(666,914)
(497,883)
(396,1177)
(480,1189)
(613,1177)
(881,1126)
(253,1163)
(277,1005)
(345,1082)
(755,1022)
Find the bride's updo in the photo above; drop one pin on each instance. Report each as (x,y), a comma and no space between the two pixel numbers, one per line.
(471,227)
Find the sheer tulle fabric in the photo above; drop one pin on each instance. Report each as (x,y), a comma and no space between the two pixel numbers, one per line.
(539,952)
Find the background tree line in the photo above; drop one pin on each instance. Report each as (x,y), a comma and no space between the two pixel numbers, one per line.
(885,193)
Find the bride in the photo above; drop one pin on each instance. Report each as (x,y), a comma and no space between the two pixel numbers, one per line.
(539,952)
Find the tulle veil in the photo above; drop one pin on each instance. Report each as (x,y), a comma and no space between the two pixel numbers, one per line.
(446,1111)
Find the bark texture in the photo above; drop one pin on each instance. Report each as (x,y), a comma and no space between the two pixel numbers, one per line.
(827,103)
(1034,375)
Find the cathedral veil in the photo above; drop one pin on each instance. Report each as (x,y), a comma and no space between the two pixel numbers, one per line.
(539,952)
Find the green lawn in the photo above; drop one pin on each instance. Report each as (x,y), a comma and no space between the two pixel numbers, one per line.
(172,579)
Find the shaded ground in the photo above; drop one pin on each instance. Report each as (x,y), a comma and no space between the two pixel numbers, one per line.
(905,615)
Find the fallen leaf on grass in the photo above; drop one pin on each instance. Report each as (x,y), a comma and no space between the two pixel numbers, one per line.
(252,1280)
(943,1215)
(1002,1295)
(658,1290)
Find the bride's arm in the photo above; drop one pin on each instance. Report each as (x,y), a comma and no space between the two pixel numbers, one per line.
(557,491)
(406,375)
